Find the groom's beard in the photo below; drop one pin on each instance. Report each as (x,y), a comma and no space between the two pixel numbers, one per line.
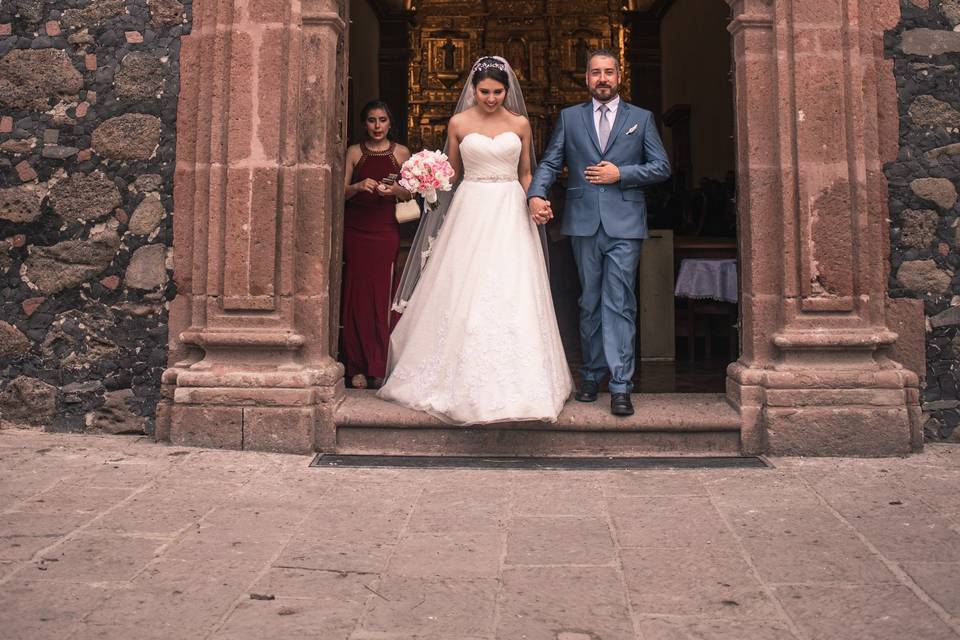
(605,93)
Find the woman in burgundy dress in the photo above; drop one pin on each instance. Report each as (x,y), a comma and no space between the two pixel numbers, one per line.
(371,241)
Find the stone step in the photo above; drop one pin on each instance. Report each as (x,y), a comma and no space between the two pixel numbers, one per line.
(664,424)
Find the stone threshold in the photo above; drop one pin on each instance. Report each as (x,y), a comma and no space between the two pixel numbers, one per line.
(654,412)
(680,424)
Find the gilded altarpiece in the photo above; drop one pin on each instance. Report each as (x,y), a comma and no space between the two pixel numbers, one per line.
(546,42)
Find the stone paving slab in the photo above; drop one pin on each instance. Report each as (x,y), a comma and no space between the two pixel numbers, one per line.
(119,537)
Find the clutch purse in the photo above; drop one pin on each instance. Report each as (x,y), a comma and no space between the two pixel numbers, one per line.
(408,211)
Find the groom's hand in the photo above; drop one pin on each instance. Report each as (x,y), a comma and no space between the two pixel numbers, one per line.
(540,210)
(603,173)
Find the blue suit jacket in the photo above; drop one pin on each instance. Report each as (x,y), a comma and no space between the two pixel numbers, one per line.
(634,146)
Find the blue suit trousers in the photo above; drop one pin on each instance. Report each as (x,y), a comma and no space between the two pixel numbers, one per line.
(608,306)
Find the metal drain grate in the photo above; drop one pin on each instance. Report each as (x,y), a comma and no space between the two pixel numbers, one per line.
(573,464)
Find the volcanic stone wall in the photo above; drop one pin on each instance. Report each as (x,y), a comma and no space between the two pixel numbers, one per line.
(925,236)
(88,100)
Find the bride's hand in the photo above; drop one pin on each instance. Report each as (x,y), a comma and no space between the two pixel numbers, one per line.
(540,210)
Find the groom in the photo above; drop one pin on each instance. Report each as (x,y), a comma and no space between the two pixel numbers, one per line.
(612,150)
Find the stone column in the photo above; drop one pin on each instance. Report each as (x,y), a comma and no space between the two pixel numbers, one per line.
(258,200)
(814,376)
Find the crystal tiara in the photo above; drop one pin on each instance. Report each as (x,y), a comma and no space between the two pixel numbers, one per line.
(488,63)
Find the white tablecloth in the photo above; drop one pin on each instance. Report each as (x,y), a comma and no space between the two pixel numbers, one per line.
(707,278)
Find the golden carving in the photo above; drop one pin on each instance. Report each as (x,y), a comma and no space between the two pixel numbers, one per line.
(546,42)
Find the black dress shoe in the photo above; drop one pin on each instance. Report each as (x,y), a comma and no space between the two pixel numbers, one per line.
(587,392)
(620,404)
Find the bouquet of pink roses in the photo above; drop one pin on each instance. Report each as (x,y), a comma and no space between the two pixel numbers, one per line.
(425,173)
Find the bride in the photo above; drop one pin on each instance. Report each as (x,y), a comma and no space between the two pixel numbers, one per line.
(478,339)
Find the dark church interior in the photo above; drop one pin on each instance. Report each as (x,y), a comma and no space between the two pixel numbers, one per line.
(676,63)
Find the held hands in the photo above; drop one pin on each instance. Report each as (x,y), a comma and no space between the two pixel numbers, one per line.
(602,173)
(540,210)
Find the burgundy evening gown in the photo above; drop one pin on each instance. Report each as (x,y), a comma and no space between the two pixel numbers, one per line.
(371,241)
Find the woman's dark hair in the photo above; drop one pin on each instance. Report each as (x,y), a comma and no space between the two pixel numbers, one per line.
(377,104)
(490,69)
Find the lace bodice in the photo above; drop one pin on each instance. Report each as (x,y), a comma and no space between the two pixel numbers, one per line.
(487,159)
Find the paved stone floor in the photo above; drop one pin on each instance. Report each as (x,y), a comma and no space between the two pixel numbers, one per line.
(113,537)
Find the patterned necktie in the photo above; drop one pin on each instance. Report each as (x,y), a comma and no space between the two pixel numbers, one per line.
(604,129)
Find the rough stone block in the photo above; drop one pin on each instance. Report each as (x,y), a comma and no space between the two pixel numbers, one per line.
(834,397)
(944,153)
(838,431)
(68,263)
(241,127)
(930,42)
(30,78)
(28,400)
(271,85)
(92,14)
(139,77)
(25,172)
(930,112)
(165,13)
(31,304)
(12,341)
(946,318)
(147,216)
(58,152)
(951,11)
(919,228)
(940,191)
(115,415)
(905,318)
(131,136)
(888,110)
(147,268)
(282,430)
(148,182)
(84,197)
(215,427)
(21,204)
(923,276)
(265,212)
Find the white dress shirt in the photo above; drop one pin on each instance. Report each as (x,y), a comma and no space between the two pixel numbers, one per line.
(613,105)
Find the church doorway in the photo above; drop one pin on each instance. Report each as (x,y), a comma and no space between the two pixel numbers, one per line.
(259,224)
(676,58)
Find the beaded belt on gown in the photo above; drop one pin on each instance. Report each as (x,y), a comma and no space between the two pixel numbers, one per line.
(486,178)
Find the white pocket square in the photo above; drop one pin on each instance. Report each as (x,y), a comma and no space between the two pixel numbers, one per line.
(632,129)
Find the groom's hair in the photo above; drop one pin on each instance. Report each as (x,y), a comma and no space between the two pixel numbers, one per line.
(604,53)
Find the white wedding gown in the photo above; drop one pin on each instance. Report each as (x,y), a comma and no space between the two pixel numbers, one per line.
(478,341)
